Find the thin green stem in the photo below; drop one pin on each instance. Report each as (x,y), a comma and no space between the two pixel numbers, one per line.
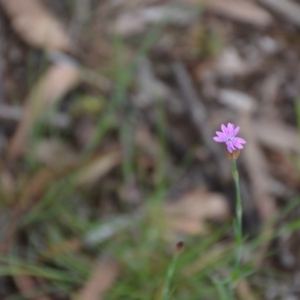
(238,221)
(170,272)
(221,287)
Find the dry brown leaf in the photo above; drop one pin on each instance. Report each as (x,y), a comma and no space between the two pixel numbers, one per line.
(53,85)
(241,11)
(189,213)
(35,25)
(277,135)
(102,279)
(237,100)
(244,290)
(187,225)
(99,167)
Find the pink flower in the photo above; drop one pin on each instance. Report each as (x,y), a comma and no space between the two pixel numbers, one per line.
(228,136)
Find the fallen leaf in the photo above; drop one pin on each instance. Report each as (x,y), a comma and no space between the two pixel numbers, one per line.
(102,279)
(189,213)
(277,135)
(35,25)
(53,85)
(245,291)
(241,11)
(237,100)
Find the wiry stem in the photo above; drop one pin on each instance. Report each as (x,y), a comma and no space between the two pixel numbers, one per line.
(238,221)
(170,272)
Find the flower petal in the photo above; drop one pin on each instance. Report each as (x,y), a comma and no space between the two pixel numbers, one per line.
(237,144)
(224,129)
(230,147)
(240,140)
(221,134)
(230,129)
(219,139)
(236,130)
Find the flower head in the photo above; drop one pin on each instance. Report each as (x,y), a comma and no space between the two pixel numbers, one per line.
(228,136)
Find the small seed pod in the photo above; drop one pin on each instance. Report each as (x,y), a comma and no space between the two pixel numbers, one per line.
(179,247)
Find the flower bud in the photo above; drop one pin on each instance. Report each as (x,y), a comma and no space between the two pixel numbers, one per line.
(179,247)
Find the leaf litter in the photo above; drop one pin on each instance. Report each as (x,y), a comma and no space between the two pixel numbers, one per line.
(212,62)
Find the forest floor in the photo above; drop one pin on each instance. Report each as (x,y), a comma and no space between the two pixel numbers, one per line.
(108,111)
